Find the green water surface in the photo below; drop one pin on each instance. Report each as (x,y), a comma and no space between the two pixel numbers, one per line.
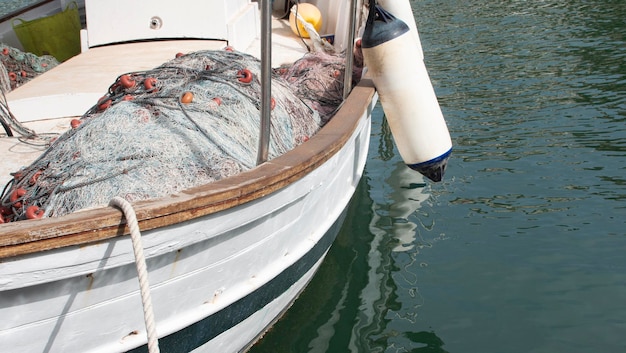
(522,248)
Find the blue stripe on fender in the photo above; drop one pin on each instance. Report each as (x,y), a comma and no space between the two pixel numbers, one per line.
(433,169)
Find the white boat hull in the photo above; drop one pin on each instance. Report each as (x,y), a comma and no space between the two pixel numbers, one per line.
(224,259)
(232,340)
(72,299)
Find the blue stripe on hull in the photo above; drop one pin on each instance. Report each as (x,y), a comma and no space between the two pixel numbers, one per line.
(199,333)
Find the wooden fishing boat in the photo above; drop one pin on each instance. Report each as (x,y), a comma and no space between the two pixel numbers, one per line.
(224,260)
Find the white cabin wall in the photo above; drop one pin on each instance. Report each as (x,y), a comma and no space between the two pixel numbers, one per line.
(114,21)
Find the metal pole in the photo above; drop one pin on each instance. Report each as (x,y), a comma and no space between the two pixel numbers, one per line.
(347,77)
(266,80)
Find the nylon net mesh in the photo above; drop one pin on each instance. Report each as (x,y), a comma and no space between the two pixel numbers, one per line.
(18,67)
(188,122)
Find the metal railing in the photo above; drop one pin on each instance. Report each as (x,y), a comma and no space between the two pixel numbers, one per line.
(266,80)
(266,72)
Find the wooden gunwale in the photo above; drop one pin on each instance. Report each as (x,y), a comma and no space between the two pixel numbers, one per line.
(95,225)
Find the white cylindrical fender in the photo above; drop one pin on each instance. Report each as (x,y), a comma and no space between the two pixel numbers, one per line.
(401,9)
(406,95)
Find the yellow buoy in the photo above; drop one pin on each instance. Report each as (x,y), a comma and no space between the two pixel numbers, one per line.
(310,14)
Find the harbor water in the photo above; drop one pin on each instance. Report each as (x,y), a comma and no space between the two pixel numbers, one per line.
(522,248)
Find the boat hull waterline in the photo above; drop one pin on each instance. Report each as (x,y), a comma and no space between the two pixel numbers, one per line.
(73,297)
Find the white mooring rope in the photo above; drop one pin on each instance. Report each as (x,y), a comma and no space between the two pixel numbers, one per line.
(140,261)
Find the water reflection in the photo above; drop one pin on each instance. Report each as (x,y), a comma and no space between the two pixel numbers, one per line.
(391,300)
(367,286)
(408,192)
(324,312)
(534,93)
(365,297)
(429,339)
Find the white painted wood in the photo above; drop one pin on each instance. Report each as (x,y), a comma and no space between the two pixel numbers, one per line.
(115,21)
(232,340)
(243,27)
(112,21)
(71,299)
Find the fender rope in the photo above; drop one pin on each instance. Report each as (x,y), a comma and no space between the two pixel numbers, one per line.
(142,272)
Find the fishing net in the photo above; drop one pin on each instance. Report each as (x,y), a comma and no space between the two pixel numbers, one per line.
(18,67)
(188,122)
(321,90)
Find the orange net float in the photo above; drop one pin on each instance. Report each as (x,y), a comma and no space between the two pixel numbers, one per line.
(33,179)
(186,97)
(150,84)
(244,76)
(16,195)
(34,212)
(127,81)
(104,103)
